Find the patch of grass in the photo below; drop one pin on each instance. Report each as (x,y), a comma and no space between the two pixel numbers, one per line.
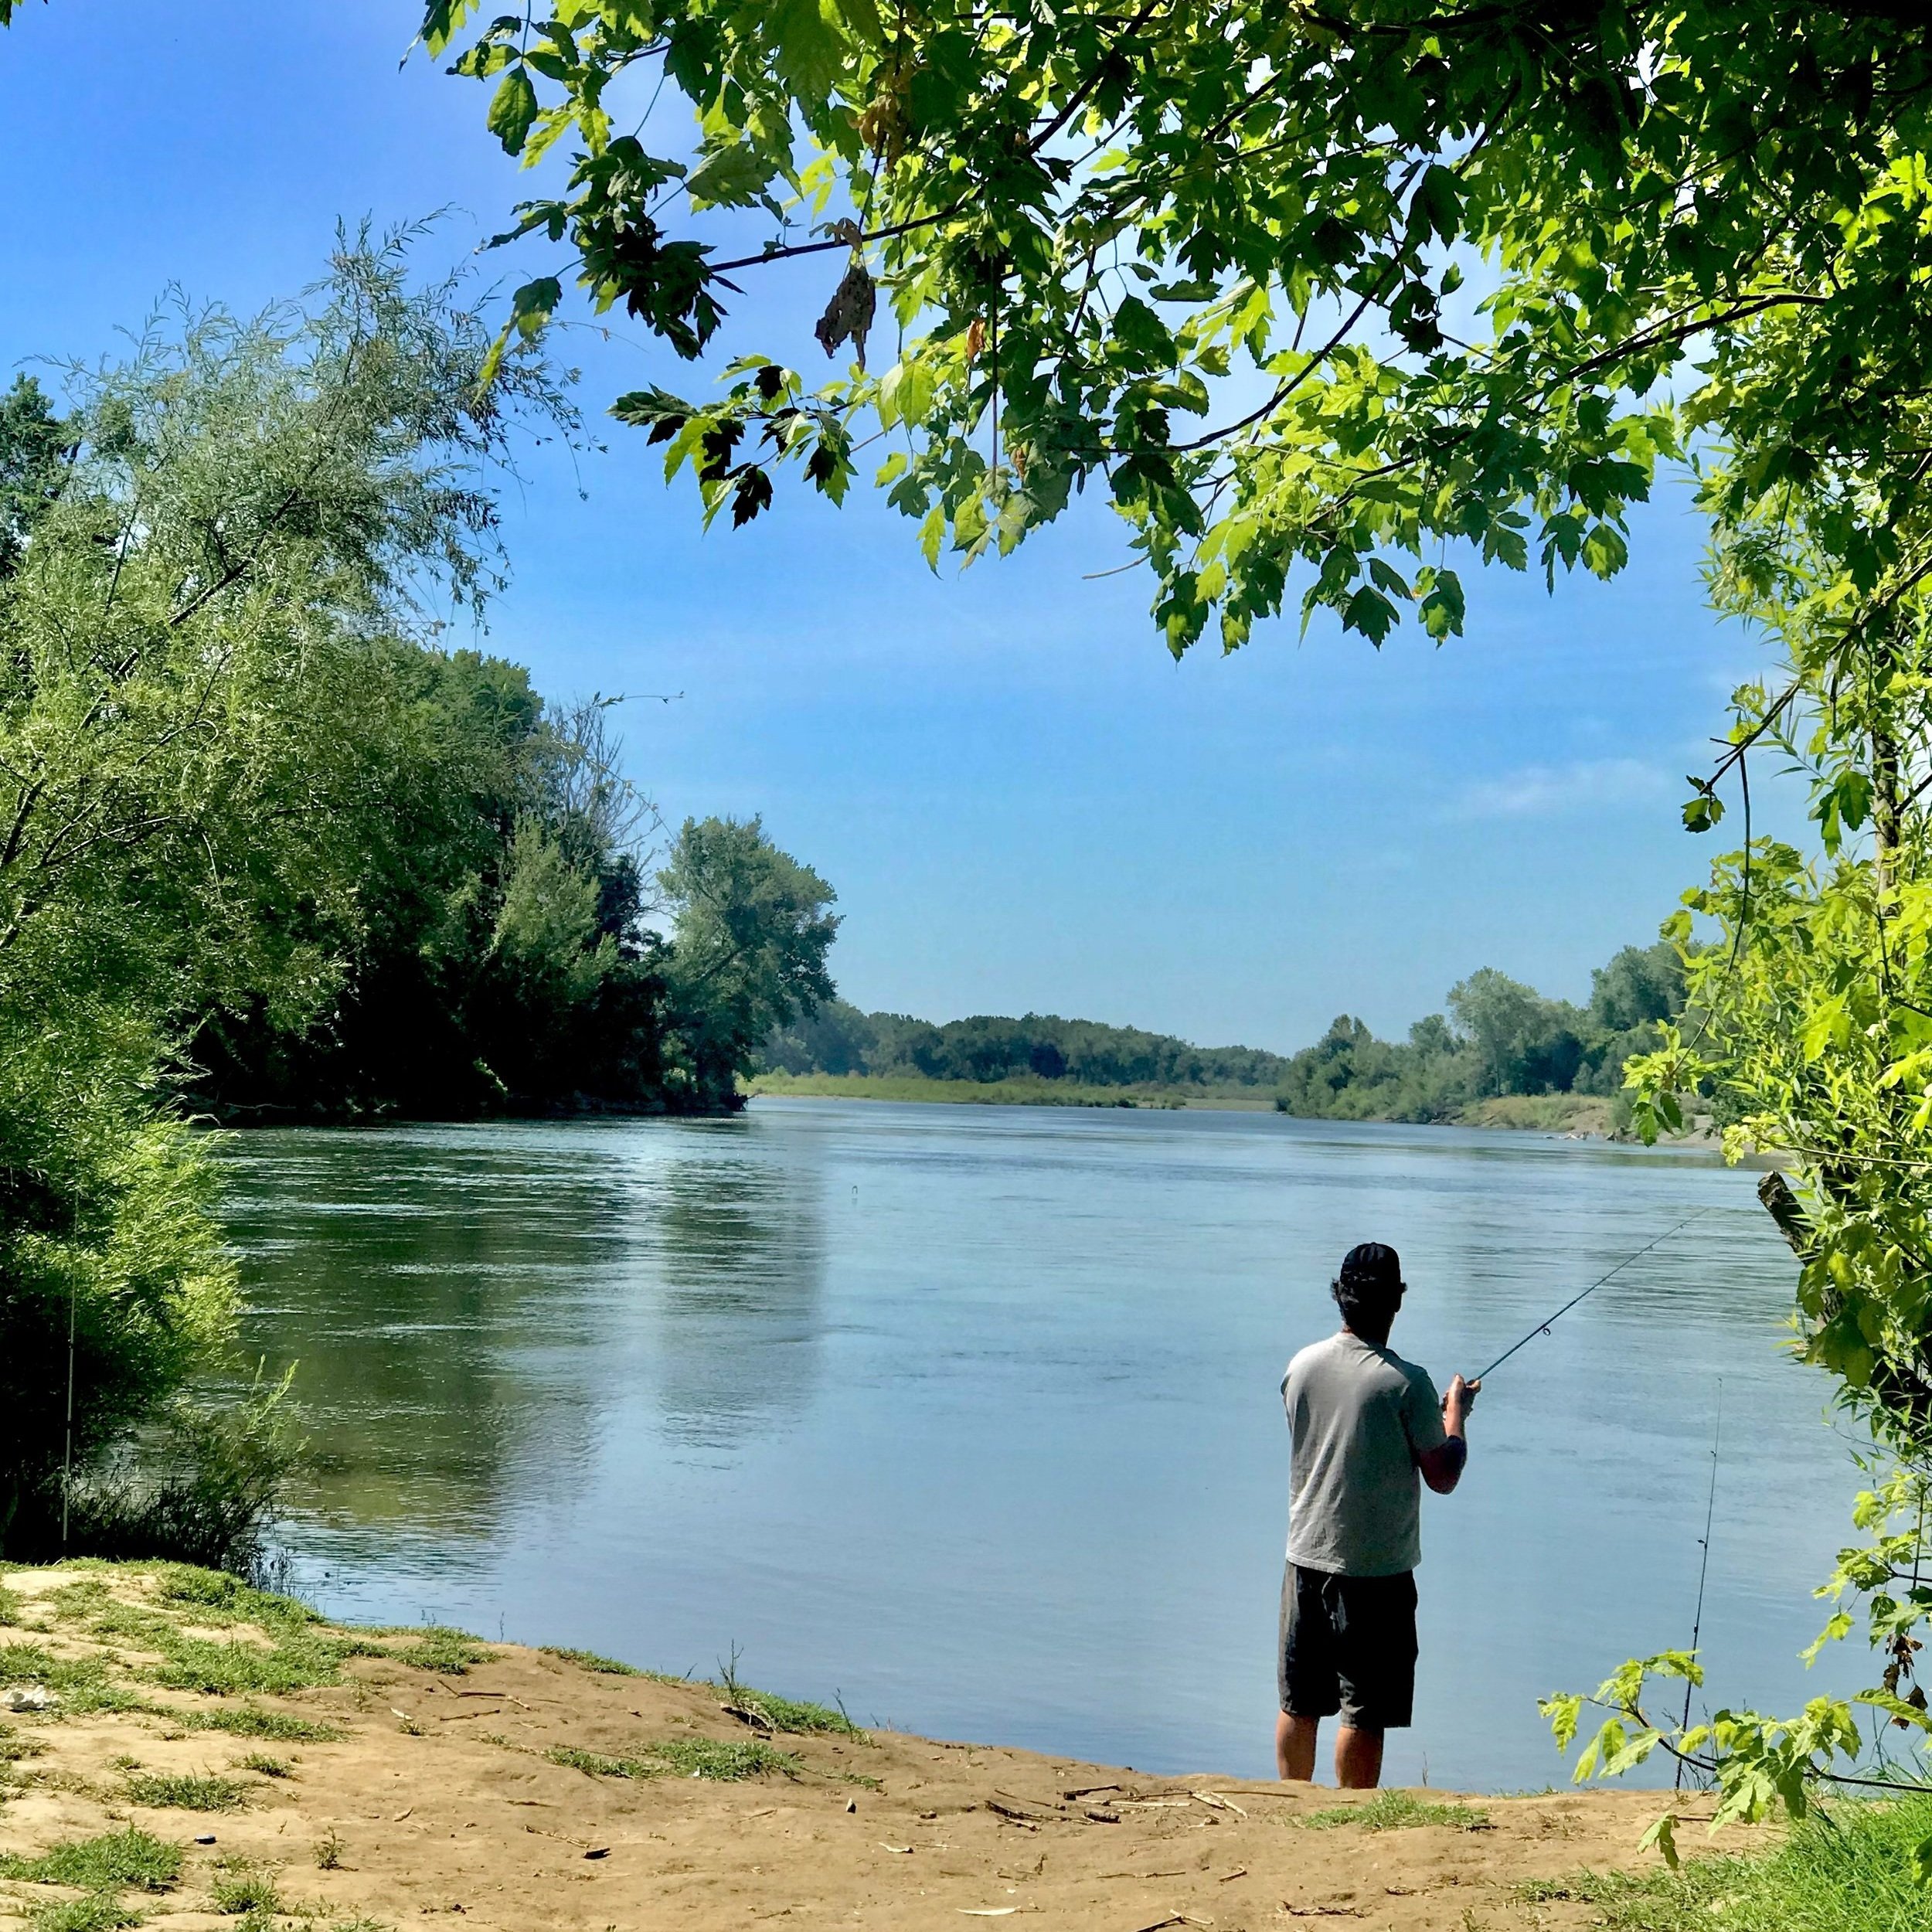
(82,1684)
(682,1757)
(1396,1811)
(218,1597)
(607,1666)
(128,1858)
(252,1721)
(98,1912)
(360,1925)
(267,1766)
(437,1648)
(13,1747)
(236,1669)
(11,1605)
(85,1597)
(1848,1869)
(245,1888)
(185,1790)
(783,1713)
(793,1714)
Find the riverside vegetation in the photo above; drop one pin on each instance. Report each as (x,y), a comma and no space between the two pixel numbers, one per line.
(271,849)
(1502,1054)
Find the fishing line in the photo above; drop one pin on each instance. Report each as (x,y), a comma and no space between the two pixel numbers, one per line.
(1544,1327)
(1704,1568)
(67,1460)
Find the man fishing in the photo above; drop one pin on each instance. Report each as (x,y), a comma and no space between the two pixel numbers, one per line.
(1368,1432)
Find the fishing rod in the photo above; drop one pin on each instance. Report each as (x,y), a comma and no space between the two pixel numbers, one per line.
(1704,1568)
(1544,1327)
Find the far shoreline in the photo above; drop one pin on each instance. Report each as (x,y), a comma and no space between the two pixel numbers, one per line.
(1567,1116)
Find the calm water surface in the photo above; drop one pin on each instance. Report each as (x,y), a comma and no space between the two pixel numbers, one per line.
(970,1416)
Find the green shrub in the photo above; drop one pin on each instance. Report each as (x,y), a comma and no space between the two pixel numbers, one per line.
(185,1790)
(115,1858)
(200,1484)
(104,1221)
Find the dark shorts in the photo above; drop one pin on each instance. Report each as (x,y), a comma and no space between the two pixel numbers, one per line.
(1348,1644)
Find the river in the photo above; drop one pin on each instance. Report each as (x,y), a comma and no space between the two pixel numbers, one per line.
(968,1416)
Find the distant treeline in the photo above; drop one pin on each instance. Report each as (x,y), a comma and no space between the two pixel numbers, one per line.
(1499,1037)
(839,1038)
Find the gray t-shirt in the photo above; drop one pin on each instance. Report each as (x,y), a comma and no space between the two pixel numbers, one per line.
(1361,1417)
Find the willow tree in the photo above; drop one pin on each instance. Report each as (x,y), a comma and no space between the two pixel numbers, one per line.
(211,551)
(1328,297)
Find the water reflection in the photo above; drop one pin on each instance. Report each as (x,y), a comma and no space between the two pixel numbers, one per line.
(738,1248)
(464,1304)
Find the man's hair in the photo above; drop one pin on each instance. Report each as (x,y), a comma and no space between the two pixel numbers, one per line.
(1369,1289)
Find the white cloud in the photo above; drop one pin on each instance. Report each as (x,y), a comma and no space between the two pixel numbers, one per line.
(1540,790)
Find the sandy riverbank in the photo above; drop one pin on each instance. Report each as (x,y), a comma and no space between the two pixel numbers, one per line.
(403,1777)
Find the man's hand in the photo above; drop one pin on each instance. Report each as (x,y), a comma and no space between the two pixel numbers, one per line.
(1457,1402)
(1442,1466)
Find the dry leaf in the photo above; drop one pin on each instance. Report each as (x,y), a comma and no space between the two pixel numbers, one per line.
(849,315)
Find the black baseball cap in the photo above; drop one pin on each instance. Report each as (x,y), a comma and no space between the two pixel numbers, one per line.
(1372,1264)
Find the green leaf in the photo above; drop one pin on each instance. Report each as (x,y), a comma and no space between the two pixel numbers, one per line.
(534,304)
(733,176)
(810,49)
(1137,329)
(906,393)
(442,21)
(1563,1713)
(1702,811)
(1922,1862)
(512,110)
(1662,1834)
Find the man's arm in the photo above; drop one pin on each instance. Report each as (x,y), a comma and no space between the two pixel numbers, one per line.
(1441,1467)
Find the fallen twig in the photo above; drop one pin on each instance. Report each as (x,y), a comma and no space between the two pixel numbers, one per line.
(1218,1802)
(1012,1815)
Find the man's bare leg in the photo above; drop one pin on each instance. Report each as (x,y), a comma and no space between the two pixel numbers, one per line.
(1358,1759)
(1294,1746)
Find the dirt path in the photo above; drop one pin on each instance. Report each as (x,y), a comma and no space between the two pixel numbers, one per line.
(435,1793)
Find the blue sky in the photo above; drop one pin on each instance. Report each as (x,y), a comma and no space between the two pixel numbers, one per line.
(1022,802)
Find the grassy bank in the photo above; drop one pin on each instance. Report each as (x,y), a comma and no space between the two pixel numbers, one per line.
(1846,1870)
(1537,1113)
(1018,1090)
(1543,1112)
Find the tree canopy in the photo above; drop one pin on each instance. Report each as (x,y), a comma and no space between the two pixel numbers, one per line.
(1323,287)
